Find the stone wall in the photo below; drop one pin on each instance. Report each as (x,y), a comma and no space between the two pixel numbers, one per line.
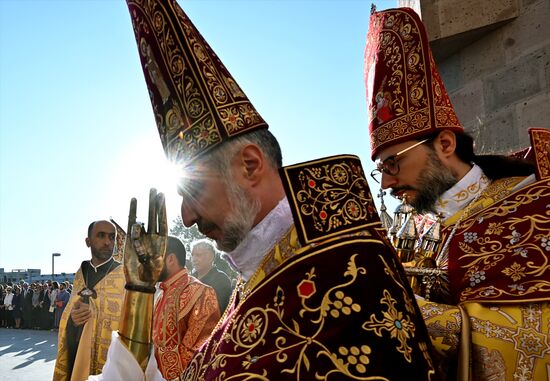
(494,57)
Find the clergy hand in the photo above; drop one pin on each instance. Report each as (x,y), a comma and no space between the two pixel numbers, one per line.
(144,250)
(80,313)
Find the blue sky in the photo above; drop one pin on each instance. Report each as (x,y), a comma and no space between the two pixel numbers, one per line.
(77,134)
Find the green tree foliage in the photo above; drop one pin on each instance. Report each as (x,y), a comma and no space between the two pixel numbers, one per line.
(188,236)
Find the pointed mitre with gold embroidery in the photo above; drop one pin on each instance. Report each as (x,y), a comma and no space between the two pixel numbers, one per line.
(197,104)
(406,98)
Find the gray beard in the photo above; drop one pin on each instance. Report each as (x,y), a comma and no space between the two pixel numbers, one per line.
(435,180)
(240,221)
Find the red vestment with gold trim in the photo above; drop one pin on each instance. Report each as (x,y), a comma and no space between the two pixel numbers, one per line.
(330,300)
(184,317)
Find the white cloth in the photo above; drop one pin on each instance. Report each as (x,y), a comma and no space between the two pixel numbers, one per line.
(526,181)
(53,295)
(462,193)
(122,366)
(467,189)
(246,258)
(8,300)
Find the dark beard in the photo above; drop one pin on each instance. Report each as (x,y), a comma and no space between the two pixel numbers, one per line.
(101,255)
(163,274)
(432,183)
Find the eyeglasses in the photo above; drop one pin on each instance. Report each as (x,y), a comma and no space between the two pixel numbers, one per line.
(390,165)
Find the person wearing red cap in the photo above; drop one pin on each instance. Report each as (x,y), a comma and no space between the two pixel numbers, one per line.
(321,294)
(493,257)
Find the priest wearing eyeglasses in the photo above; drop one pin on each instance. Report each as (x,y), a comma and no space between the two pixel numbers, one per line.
(491,321)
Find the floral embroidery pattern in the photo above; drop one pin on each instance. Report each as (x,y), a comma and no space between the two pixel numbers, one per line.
(265,334)
(494,228)
(400,328)
(252,328)
(508,237)
(331,196)
(516,271)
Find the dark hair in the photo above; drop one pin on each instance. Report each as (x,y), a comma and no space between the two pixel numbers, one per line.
(90,228)
(493,166)
(175,246)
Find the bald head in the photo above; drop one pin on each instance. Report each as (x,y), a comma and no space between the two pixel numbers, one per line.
(101,240)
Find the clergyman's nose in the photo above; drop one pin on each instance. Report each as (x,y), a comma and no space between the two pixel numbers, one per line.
(188,215)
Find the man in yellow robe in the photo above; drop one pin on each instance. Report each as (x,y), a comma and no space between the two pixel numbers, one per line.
(94,309)
(492,260)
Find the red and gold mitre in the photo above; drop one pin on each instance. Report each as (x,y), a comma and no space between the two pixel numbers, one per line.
(406,98)
(197,104)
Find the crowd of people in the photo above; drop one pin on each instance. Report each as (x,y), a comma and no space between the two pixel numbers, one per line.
(35,306)
(321,292)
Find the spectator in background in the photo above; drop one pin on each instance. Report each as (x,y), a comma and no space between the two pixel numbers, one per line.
(53,294)
(44,301)
(36,309)
(17,303)
(203,255)
(8,306)
(2,308)
(26,304)
(68,286)
(61,300)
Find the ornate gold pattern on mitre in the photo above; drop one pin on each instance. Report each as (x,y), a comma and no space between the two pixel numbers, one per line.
(540,141)
(329,197)
(406,98)
(196,102)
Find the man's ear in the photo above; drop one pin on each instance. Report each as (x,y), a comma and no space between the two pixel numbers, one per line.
(445,143)
(88,242)
(251,162)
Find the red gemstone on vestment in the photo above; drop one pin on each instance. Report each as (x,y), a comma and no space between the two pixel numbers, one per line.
(306,288)
(323,214)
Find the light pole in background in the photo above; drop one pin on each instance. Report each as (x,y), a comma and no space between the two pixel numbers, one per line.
(53,257)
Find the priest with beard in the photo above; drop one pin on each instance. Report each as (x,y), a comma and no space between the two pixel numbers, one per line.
(185,313)
(487,278)
(321,294)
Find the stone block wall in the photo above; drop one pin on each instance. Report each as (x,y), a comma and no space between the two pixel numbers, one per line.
(494,57)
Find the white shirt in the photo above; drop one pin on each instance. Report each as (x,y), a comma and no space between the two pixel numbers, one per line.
(462,193)
(246,258)
(467,189)
(8,300)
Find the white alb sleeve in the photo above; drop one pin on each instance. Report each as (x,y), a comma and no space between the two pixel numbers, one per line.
(122,366)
